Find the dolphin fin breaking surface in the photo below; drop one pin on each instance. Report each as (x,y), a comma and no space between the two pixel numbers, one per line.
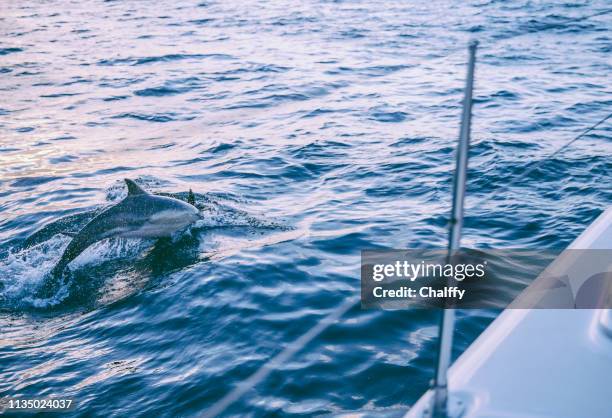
(133,188)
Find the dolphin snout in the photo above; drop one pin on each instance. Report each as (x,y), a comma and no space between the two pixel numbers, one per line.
(195,215)
(192,214)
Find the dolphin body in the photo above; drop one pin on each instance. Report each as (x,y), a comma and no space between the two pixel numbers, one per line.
(139,215)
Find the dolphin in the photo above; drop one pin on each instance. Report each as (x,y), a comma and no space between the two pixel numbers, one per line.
(139,215)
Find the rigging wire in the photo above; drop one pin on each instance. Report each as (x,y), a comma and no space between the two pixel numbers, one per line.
(556,25)
(276,361)
(536,164)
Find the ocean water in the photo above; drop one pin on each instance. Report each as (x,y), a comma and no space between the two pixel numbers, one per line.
(308,131)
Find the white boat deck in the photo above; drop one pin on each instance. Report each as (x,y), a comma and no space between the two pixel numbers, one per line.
(538,362)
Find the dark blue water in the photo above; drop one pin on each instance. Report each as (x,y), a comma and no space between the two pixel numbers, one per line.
(309,131)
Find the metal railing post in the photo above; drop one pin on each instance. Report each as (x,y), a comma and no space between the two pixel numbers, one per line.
(439,406)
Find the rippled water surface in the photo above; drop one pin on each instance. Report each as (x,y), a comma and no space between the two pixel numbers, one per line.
(309,131)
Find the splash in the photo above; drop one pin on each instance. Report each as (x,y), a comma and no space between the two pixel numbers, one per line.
(22,272)
(114,268)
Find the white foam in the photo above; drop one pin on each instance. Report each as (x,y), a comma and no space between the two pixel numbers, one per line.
(22,272)
(109,249)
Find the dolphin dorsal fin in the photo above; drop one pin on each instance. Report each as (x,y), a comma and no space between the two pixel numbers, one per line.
(133,188)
